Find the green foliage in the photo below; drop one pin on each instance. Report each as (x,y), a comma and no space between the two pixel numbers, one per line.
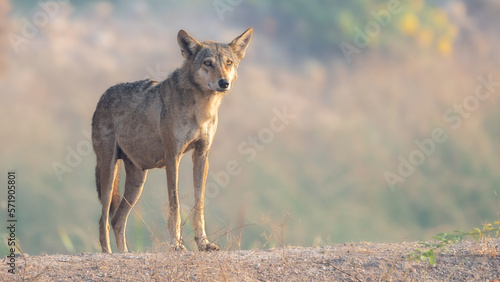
(444,240)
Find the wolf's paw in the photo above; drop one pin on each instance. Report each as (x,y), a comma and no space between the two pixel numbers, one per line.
(209,247)
(178,247)
(205,246)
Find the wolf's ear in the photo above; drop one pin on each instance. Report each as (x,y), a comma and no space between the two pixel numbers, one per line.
(240,43)
(189,45)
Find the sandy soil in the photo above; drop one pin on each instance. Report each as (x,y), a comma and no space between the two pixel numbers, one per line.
(352,262)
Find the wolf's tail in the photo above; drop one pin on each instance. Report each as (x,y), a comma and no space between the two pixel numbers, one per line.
(115,197)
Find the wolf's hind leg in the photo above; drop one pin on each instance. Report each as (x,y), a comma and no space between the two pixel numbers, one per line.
(106,172)
(134,183)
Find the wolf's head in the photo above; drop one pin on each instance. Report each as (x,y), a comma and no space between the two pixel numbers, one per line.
(213,65)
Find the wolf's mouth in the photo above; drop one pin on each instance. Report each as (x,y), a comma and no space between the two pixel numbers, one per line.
(218,89)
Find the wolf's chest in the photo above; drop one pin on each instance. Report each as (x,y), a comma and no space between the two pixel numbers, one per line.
(205,123)
(197,129)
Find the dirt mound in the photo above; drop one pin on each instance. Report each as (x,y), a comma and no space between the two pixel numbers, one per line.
(357,262)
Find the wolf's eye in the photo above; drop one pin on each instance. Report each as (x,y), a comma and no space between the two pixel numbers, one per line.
(229,62)
(207,63)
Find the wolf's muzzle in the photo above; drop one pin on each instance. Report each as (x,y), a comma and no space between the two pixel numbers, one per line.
(224,83)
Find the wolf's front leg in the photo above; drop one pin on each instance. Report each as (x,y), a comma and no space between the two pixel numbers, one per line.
(174,213)
(200,169)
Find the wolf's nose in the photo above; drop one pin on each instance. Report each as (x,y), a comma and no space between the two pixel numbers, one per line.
(223,83)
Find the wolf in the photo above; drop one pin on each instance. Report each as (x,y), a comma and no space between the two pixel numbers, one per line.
(149,124)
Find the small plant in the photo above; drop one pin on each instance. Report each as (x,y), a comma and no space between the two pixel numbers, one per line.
(443,240)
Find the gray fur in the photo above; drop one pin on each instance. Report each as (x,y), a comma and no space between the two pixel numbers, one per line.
(150,124)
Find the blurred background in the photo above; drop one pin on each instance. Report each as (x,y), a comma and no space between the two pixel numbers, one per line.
(364,85)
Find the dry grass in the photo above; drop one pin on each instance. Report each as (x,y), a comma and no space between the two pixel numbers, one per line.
(486,247)
(358,262)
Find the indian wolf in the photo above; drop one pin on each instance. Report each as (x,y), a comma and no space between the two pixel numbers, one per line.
(150,124)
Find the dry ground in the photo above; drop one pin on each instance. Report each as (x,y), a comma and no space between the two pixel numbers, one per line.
(350,261)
